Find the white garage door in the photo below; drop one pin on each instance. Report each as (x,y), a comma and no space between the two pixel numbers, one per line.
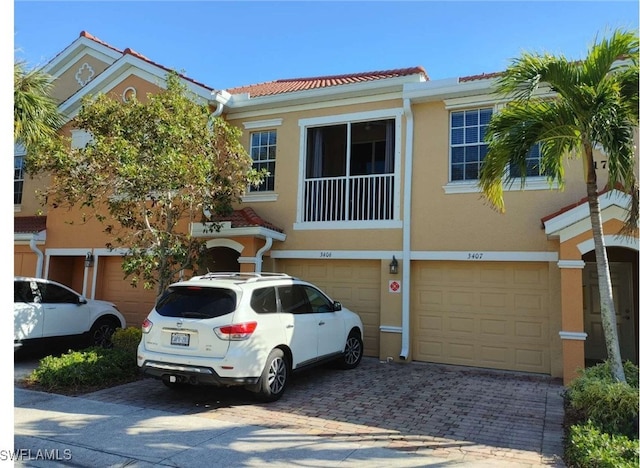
(493,315)
(355,283)
(134,303)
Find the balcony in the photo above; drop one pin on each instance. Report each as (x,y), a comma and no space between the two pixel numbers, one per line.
(349,198)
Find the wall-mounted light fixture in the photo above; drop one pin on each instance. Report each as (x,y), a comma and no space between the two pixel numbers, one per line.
(393,266)
(88,260)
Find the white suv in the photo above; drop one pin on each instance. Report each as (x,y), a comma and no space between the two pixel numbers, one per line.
(253,330)
(46,311)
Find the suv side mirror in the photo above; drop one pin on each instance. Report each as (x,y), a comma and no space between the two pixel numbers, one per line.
(82,300)
(337,306)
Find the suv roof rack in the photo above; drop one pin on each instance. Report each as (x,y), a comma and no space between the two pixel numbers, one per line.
(242,276)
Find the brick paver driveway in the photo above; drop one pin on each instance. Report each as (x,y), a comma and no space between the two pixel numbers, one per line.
(462,414)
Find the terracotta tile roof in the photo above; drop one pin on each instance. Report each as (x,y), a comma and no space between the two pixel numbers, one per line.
(576,204)
(247,217)
(29,224)
(303,84)
(482,76)
(129,51)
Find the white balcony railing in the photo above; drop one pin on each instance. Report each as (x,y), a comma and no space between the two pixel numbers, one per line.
(354,198)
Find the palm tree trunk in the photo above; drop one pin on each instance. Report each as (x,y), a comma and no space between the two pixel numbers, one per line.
(607,306)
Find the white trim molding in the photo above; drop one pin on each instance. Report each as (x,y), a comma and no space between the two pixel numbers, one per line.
(338,254)
(485,256)
(611,241)
(573,336)
(270,123)
(228,243)
(390,329)
(576,264)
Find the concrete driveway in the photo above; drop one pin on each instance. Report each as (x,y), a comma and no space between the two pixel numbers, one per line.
(464,416)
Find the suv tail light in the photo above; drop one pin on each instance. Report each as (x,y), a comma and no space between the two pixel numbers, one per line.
(236,331)
(146,325)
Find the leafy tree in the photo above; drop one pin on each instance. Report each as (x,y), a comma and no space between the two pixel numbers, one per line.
(594,105)
(150,169)
(35,112)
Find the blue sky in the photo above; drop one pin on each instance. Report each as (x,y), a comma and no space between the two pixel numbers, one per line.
(226,44)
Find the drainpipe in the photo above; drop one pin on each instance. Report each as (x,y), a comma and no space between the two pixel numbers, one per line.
(221,98)
(267,246)
(39,253)
(406,229)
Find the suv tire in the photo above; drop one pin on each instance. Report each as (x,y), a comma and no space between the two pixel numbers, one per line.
(274,378)
(101,332)
(352,351)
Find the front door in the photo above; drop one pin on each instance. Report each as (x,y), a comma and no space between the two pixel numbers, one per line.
(595,348)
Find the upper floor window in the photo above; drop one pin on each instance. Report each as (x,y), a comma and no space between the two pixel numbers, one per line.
(18,178)
(263,153)
(349,171)
(468,148)
(532,161)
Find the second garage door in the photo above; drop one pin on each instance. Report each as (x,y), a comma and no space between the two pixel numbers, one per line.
(493,315)
(355,283)
(134,303)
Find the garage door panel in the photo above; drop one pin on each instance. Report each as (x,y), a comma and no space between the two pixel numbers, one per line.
(356,284)
(134,303)
(486,315)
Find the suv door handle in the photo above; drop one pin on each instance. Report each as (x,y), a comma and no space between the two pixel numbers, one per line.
(321,323)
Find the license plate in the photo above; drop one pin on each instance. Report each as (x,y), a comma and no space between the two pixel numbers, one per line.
(180,339)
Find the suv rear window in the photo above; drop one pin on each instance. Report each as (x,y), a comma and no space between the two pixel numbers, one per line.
(196,302)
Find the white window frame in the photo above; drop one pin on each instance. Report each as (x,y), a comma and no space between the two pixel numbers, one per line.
(471,186)
(19,151)
(262,126)
(382,114)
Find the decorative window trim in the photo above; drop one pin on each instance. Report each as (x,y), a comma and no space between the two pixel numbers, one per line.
(78,76)
(260,197)
(129,93)
(262,124)
(531,183)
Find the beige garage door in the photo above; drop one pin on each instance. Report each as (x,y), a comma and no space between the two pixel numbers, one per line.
(134,303)
(355,283)
(493,315)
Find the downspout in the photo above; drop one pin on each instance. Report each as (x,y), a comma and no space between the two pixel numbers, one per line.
(220,97)
(267,246)
(406,229)
(39,254)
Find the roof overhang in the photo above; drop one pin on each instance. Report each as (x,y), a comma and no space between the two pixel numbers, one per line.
(200,230)
(575,221)
(244,102)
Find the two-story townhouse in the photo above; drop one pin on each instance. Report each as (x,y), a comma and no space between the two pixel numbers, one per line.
(372,195)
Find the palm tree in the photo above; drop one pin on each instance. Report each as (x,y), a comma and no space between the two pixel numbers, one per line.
(35,112)
(594,104)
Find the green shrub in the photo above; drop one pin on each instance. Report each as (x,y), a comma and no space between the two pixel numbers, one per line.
(127,339)
(611,406)
(589,447)
(83,370)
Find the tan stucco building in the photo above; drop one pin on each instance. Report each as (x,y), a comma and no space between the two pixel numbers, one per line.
(367,170)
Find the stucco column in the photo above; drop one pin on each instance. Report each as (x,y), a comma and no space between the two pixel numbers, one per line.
(572,333)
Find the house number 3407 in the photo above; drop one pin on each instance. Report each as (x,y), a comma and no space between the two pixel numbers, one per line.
(474,256)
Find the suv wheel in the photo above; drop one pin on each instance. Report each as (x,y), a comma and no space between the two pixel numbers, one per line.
(275,377)
(101,331)
(352,352)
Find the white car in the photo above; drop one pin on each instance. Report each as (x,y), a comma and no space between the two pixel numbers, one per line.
(44,310)
(242,329)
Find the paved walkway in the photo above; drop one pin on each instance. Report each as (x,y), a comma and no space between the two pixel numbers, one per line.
(381,414)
